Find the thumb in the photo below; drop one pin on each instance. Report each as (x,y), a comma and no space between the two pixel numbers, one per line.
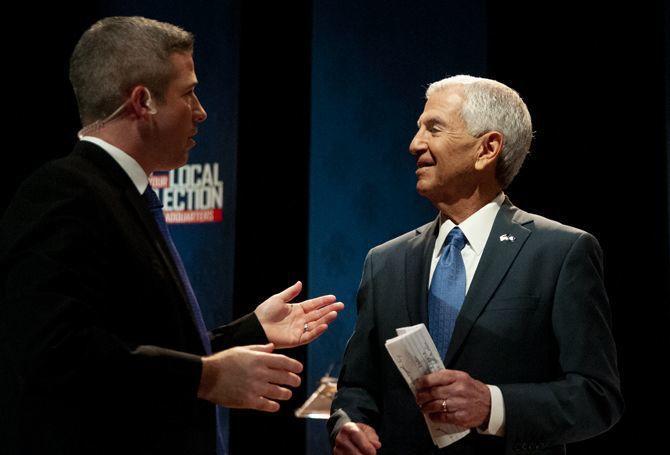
(291,292)
(261,347)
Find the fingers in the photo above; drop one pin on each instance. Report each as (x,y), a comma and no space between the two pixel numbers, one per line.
(313,334)
(423,397)
(281,362)
(349,447)
(263,404)
(435,406)
(318,302)
(345,447)
(434,393)
(435,410)
(371,434)
(275,392)
(354,439)
(249,377)
(439,378)
(261,347)
(290,292)
(464,401)
(328,312)
(319,320)
(362,443)
(328,318)
(283,378)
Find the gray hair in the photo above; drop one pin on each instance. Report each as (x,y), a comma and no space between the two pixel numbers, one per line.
(118,53)
(492,106)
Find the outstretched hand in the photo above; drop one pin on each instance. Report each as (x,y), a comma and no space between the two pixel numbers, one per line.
(293,324)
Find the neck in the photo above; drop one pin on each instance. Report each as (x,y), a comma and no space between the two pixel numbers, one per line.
(126,139)
(459,209)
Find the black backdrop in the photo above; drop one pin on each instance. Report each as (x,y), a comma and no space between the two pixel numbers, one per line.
(595,78)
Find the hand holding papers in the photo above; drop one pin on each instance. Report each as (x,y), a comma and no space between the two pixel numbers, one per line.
(415,355)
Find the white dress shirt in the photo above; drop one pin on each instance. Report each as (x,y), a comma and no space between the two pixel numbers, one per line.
(476,229)
(127,162)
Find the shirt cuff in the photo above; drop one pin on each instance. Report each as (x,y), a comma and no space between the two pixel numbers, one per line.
(496,426)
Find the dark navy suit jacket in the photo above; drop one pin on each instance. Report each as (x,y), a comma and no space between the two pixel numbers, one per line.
(100,352)
(536,322)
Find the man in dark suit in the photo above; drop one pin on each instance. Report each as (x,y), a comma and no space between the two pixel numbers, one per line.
(102,337)
(514,302)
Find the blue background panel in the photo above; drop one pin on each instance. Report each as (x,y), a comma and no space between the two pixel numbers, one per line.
(371,63)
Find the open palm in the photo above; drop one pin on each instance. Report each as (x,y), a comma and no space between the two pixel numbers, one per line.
(293,324)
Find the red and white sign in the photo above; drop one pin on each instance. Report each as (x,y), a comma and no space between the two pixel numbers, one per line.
(191,194)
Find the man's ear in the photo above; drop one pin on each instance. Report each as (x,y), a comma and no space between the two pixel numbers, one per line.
(491,145)
(140,102)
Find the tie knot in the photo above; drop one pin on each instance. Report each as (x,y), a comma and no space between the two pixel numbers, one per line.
(456,238)
(151,198)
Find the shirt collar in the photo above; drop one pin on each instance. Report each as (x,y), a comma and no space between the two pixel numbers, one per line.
(127,162)
(476,227)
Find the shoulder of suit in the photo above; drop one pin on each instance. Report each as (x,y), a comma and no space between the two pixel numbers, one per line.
(543,227)
(73,174)
(401,241)
(72,186)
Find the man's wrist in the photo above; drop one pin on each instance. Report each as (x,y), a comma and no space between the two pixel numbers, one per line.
(207,379)
(495,423)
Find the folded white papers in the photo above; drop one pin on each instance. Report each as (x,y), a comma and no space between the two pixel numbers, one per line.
(415,355)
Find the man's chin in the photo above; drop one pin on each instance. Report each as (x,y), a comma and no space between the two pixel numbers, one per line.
(422,188)
(170,166)
(184,157)
(429,192)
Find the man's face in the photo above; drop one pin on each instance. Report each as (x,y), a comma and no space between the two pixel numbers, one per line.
(178,115)
(445,153)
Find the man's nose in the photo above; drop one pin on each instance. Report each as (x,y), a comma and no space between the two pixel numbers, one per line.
(417,145)
(199,113)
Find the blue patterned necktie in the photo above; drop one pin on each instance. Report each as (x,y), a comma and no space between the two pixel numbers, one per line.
(447,291)
(156,208)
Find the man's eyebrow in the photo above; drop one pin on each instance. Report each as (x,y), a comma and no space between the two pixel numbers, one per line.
(191,86)
(430,120)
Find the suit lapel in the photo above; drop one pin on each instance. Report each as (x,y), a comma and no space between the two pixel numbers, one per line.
(496,260)
(417,270)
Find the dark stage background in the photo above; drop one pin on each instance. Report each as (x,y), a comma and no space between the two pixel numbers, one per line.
(327,95)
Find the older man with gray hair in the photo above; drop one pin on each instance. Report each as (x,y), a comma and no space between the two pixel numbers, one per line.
(514,302)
